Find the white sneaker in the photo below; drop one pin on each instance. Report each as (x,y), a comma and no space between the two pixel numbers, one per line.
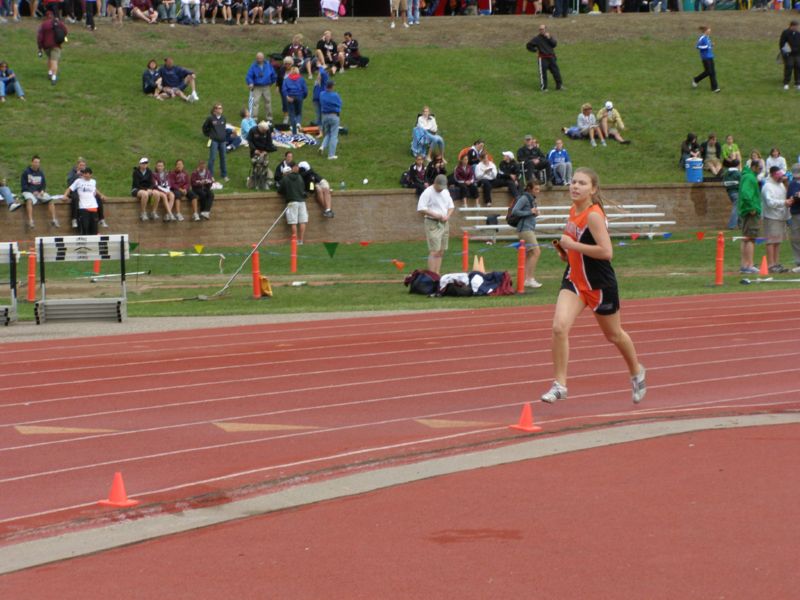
(55,223)
(195,217)
(154,216)
(391,26)
(143,217)
(334,157)
(796,269)
(14,206)
(694,83)
(532,283)
(786,87)
(102,223)
(594,144)
(178,217)
(556,392)
(194,97)
(205,215)
(639,386)
(405,25)
(74,223)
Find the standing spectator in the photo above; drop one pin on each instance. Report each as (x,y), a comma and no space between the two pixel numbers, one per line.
(464,178)
(789,45)
(161,182)
(776,160)
(749,213)
(52,33)
(115,11)
(350,55)
(413,12)
(9,83)
(143,188)
(327,52)
(292,188)
(91,11)
(545,44)
(711,153)
(75,173)
(525,208)
(793,196)
(319,187)
(731,155)
(260,79)
(486,177)
(731,179)
(706,48)
(534,162)
(560,163)
(282,73)
(319,86)
(398,8)
(295,90)
(588,125)
(331,107)
(289,11)
(144,11)
(175,79)
(151,80)
(775,212)
(508,174)
(436,206)
(33,186)
(288,159)
(428,130)
(201,180)
(214,130)
(611,122)
(180,186)
(85,187)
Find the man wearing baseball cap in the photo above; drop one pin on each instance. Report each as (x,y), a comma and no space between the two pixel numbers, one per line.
(436,206)
(611,122)
(775,213)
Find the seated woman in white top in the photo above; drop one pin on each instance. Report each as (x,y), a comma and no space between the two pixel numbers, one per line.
(775,160)
(486,177)
(588,125)
(428,130)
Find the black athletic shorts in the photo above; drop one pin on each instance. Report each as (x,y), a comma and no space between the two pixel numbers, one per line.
(603,301)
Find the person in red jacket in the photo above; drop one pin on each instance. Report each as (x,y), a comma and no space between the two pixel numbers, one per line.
(49,39)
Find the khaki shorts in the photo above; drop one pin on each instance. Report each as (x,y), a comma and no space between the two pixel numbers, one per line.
(774,230)
(323,184)
(529,237)
(751,226)
(437,234)
(54,53)
(296,213)
(398,4)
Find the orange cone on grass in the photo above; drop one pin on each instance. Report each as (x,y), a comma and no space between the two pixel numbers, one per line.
(764,268)
(526,420)
(117,497)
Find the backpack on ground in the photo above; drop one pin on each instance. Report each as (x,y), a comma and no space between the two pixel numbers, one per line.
(422,282)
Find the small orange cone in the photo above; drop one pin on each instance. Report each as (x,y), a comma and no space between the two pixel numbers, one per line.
(399,264)
(476,264)
(117,497)
(763,269)
(526,420)
(483,267)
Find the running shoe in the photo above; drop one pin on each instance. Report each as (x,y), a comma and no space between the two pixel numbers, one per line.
(639,386)
(14,206)
(195,217)
(178,217)
(748,270)
(556,392)
(74,223)
(143,217)
(532,283)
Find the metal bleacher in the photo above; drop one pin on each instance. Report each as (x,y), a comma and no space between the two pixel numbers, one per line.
(82,248)
(9,255)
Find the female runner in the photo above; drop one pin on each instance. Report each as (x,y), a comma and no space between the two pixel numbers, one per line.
(589,280)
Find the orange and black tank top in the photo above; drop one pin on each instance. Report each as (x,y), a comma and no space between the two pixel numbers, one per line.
(584,272)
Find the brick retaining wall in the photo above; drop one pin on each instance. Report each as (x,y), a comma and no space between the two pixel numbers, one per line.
(381,215)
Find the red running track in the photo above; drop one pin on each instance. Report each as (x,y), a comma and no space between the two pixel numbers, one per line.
(679,517)
(318,398)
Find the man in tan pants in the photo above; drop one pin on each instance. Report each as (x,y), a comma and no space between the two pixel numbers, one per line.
(397,8)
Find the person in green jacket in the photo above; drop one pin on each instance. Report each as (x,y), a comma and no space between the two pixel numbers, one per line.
(749,213)
(293,189)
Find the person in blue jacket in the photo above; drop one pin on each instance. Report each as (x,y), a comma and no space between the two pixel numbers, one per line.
(319,87)
(295,90)
(260,78)
(706,48)
(331,107)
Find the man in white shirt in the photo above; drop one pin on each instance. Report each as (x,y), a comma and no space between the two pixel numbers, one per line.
(436,205)
(86,188)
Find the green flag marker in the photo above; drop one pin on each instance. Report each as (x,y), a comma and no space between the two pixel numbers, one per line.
(331,248)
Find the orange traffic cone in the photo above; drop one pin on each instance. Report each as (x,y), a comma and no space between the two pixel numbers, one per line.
(483,267)
(763,269)
(117,497)
(526,420)
(476,264)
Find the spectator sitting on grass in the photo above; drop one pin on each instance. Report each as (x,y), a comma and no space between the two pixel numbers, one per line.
(486,177)
(318,186)
(288,159)
(464,178)
(255,10)
(151,80)
(429,131)
(201,181)
(181,189)
(327,52)
(560,164)
(689,149)
(731,155)
(415,176)
(175,79)
(143,11)
(300,54)
(611,122)
(143,188)
(776,160)
(247,123)
(350,55)
(166,11)
(293,189)
(711,152)
(161,181)
(34,191)
(9,83)
(755,157)
(588,125)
